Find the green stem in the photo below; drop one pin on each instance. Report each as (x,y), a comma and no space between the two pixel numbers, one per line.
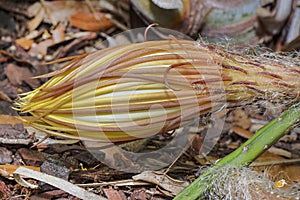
(246,153)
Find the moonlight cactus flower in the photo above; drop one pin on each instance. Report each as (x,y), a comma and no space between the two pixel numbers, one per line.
(133,91)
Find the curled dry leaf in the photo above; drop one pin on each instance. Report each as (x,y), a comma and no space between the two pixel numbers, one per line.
(162,180)
(54,181)
(90,22)
(17,75)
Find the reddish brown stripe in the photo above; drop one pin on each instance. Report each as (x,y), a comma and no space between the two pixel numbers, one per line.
(270,74)
(243,83)
(255,89)
(234,68)
(232,91)
(212,80)
(295,70)
(255,64)
(283,84)
(53,94)
(232,101)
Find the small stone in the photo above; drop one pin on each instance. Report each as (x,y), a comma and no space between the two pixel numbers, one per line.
(12,48)
(39,56)
(48,58)
(55,168)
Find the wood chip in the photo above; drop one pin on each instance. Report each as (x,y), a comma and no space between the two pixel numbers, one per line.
(114,194)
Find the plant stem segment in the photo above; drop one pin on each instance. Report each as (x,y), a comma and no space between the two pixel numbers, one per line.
(247,153)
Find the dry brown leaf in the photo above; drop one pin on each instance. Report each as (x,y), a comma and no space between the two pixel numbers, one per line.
(16,75)
(58,34)
(24,43)
(242,132)
(162,180)
(41,48)
(38,12)
(89,22)
(58,11)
